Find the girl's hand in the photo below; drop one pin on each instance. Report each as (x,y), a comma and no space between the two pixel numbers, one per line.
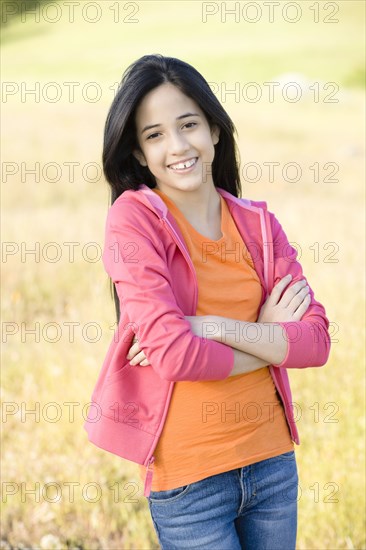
(291,307)
(136,356)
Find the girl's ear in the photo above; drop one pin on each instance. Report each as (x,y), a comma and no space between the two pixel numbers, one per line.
(215,133)
(139,156)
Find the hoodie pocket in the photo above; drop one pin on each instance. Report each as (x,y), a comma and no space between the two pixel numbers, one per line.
(118,374)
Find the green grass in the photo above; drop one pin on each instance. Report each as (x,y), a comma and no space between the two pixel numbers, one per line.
(331,454)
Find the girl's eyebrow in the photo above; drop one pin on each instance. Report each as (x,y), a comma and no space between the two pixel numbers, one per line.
(159,124)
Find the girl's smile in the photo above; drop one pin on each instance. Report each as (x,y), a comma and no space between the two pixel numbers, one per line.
(184,165)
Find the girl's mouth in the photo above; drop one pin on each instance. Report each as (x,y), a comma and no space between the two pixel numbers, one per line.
(185,166)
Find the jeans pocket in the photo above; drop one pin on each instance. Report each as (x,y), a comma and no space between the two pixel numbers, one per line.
(169,495)
(286,456)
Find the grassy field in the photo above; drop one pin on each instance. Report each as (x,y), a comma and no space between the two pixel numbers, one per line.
(82,496)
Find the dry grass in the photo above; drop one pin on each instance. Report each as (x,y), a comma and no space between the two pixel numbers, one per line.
(37,450)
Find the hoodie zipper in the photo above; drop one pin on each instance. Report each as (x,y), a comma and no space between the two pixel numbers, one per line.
(284,406)
(182,247)
(274,378)
(149,476)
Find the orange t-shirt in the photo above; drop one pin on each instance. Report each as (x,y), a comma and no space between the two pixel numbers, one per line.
(218,425)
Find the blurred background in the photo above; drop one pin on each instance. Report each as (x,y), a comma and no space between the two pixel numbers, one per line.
(291,76)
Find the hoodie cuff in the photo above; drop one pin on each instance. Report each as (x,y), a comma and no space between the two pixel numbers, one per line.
(222,362)
(300,345)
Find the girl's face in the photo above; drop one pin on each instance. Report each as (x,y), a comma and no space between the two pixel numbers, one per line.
(179,149)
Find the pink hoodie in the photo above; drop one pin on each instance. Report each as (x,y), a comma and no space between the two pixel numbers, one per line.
(146,257)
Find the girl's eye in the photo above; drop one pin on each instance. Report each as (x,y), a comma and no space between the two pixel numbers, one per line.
(151,135)
(187,124)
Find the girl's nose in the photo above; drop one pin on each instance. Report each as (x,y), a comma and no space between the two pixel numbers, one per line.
(177,143)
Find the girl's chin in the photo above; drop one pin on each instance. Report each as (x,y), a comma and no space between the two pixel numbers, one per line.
(184,187)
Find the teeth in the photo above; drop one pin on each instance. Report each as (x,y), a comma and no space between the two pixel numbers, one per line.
(183,165)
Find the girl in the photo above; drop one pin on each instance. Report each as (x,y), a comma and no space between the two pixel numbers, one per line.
(212,309)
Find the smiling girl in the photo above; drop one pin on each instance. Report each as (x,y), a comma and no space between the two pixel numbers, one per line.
(212,309)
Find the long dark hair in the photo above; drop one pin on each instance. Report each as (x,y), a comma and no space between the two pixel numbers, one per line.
(121,169)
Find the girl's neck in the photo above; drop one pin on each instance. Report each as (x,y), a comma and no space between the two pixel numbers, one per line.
(202,205)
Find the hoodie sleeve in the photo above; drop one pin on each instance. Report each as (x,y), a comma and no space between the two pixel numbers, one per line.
(308,339)
(135,259)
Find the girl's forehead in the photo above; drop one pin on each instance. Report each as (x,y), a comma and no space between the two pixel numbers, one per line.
(165,94)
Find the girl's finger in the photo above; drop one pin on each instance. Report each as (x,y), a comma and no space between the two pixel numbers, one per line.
(138,358)
(292,292)
(283,282)
(133,350)
(301,310)
(278,289)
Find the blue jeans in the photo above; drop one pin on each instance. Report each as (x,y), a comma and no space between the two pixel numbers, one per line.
(253,507)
